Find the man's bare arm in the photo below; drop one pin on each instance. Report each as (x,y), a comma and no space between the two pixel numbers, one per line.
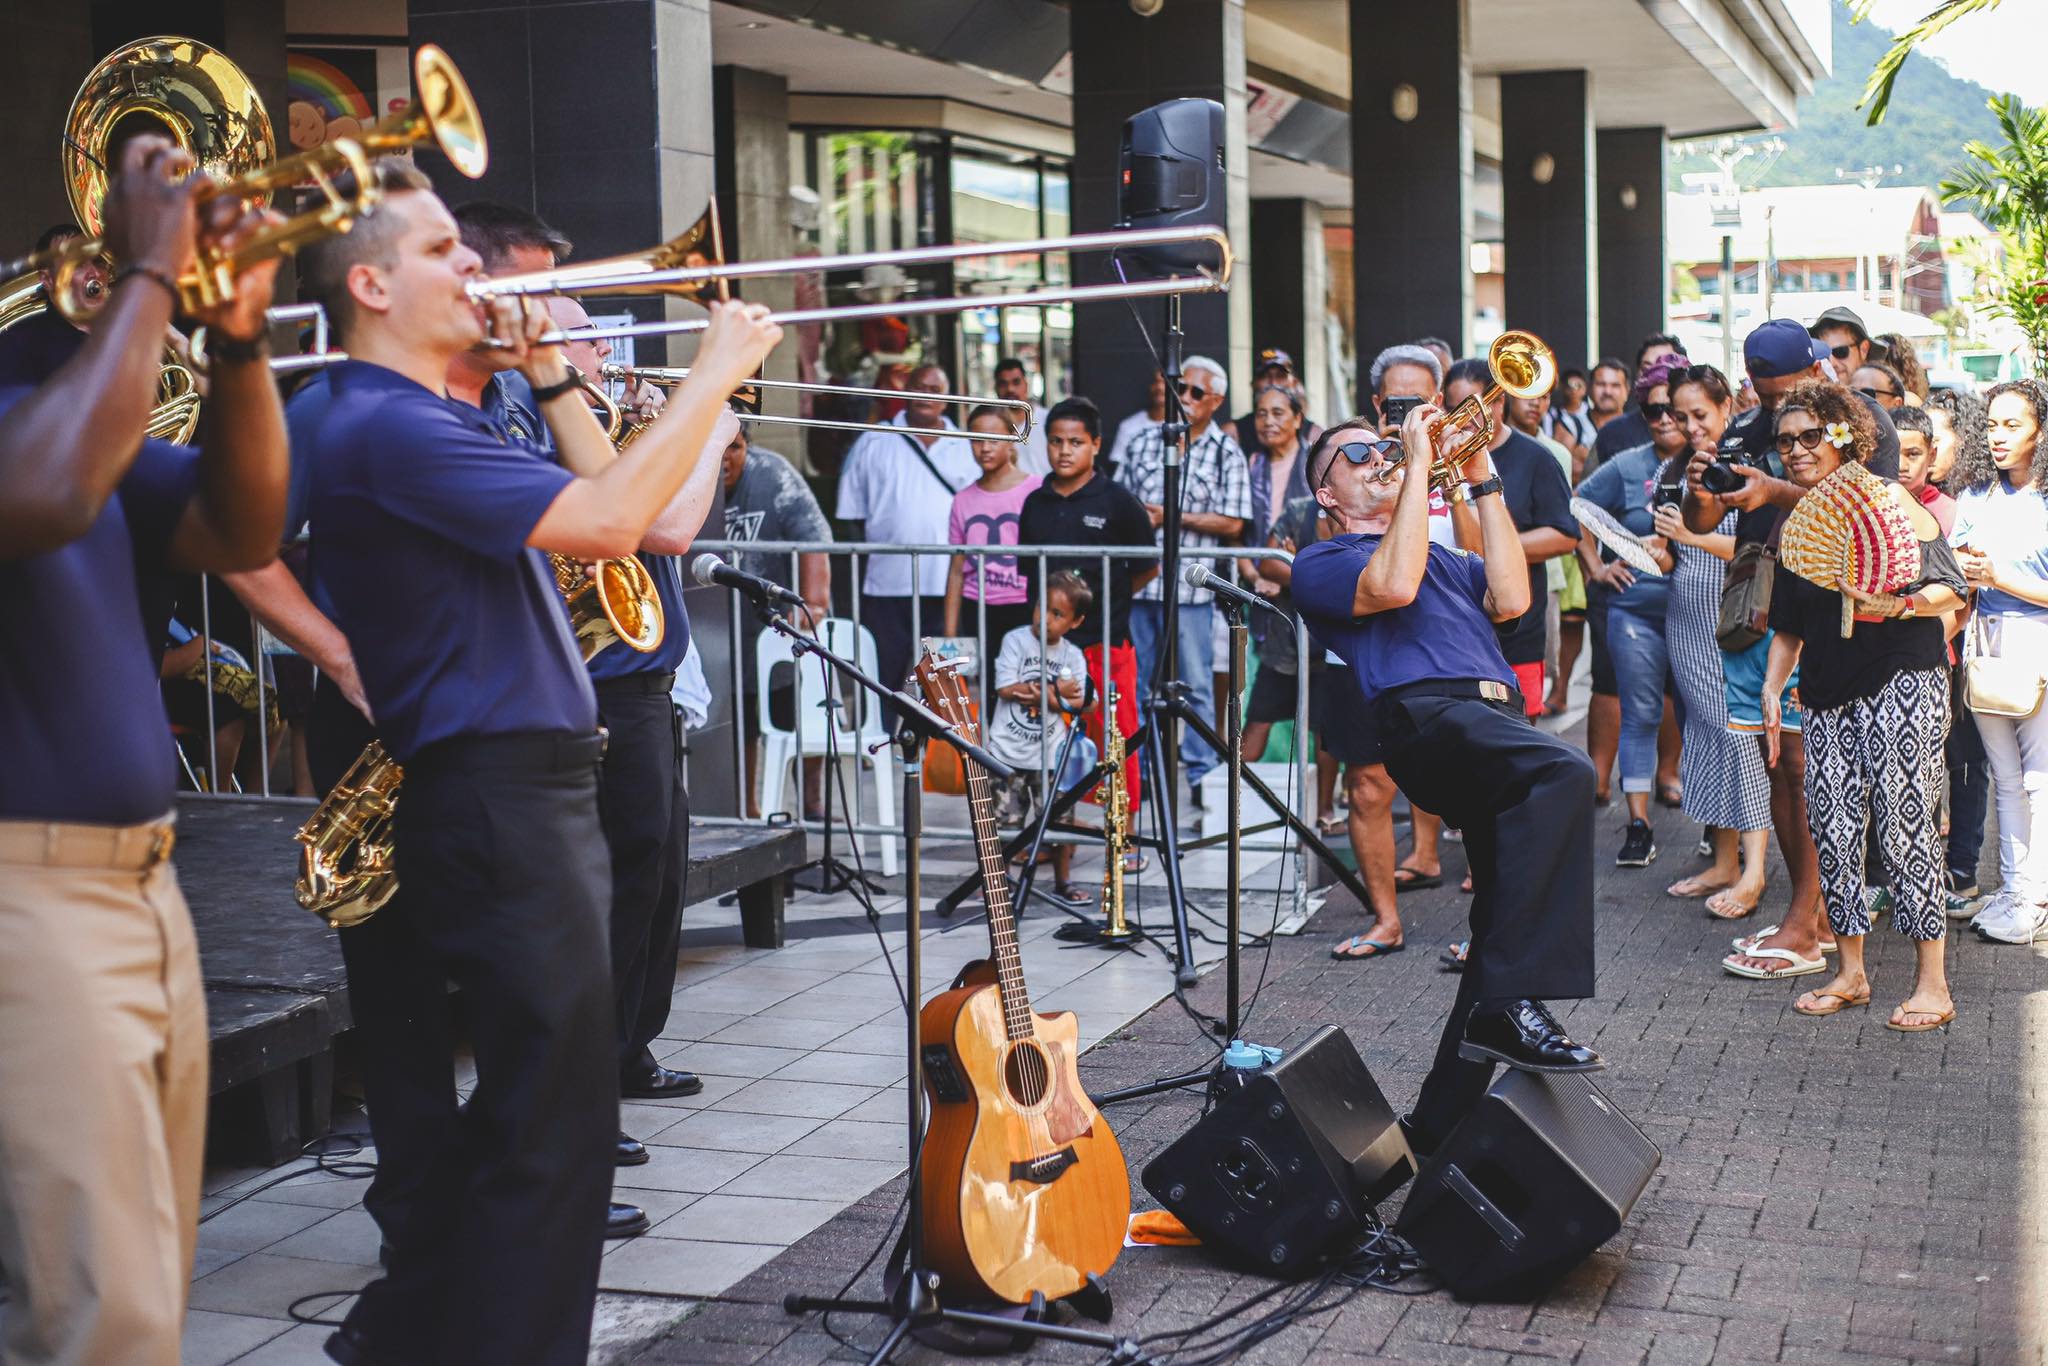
(274,596)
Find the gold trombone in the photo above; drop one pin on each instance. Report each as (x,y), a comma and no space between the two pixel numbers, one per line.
(132,81)
(637,275)
(1015,411)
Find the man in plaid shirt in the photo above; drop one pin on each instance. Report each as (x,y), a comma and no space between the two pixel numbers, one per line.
(1215,504)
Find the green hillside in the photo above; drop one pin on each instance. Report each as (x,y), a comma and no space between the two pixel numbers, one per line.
(1932,115)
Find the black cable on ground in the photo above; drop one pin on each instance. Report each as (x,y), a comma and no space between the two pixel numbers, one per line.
(330,1155)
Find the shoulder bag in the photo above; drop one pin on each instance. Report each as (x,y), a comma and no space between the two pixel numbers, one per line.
(1746,597)
(1997,686)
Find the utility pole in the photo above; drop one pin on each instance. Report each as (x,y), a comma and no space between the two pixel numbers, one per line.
(1870,177)
(1725,205)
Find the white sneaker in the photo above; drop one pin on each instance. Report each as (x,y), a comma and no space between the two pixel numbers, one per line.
(1995,909)
(2023,923)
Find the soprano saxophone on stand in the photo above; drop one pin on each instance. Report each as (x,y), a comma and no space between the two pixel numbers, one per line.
(1116,817)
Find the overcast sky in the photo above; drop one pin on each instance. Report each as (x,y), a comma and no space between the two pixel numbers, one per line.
(2003,48)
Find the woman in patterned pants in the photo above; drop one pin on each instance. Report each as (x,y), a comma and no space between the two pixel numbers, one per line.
(1876,709)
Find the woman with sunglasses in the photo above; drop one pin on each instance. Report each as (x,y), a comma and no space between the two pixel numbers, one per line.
(1726,787)
(1876,710)
(2001,538)
(1279,478)
(1627,487)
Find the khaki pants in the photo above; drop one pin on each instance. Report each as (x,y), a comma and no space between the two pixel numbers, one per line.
(103,1056)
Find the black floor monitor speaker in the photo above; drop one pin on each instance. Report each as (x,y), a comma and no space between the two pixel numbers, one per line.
(1288,1162)
(1543,1171)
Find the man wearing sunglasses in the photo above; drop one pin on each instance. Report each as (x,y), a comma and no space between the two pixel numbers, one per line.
(1416,623)
(1215,504)
(1846,340)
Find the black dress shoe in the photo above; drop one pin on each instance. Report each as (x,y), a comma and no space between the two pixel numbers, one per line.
(345,1345)
(631,1152)
(1523,1035)
(625,1221)
(663,1083)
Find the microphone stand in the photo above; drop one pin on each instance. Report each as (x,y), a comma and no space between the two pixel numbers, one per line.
(916,1302)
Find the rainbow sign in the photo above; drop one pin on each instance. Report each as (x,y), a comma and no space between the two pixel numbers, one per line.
(323,85)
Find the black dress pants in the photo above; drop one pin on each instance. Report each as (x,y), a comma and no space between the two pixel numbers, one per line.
(1524,800)
(399,998)
(507,895)
(645,809)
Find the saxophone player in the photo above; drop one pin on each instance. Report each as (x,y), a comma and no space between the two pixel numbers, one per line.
(103,1039)
(429,520)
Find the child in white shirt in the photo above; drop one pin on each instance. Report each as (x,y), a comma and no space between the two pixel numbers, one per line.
(1028,683)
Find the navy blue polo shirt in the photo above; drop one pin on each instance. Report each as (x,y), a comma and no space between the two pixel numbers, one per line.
(422,506)
(82,730)
(509,399)
(1444,634)
(33,349)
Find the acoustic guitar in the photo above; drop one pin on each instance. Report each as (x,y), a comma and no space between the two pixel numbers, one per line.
(1024,1186)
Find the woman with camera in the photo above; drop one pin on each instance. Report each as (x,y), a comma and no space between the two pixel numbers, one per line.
(1627,487)
(1726,787)
(1876,708)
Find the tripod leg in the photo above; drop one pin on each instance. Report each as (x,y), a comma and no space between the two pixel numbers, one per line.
(889,1344)
(1156,764)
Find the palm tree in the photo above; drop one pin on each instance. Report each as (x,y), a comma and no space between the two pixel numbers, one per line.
(1877,91)
(2009,184)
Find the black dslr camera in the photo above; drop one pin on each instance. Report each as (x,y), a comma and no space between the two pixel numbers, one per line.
(1720,477)
(1669,493)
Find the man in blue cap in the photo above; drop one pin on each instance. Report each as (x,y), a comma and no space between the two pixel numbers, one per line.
(1777,355)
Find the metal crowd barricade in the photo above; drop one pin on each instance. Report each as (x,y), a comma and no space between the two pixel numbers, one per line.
(855,554)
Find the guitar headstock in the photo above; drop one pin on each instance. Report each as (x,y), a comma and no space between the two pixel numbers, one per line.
(943,684)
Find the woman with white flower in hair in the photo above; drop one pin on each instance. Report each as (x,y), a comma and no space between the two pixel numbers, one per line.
(1876,704)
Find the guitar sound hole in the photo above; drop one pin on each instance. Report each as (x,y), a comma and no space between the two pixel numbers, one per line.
(1027,1074)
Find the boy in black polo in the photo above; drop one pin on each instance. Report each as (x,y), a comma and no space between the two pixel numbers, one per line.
(1079,505)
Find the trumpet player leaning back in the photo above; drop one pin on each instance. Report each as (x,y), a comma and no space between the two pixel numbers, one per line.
(1415,622)
(430,520)
(103,1044)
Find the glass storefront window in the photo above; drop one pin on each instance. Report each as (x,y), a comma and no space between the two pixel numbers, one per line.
(881,190)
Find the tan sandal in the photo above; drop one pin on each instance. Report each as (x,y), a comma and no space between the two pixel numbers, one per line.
(1841,1002)
(1937,1019)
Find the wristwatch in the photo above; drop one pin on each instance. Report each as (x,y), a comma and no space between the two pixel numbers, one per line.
(1908,608)
(1466,493)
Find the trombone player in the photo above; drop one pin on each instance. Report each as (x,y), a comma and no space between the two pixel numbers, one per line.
(429,517)
(1415,620)
(103,1039)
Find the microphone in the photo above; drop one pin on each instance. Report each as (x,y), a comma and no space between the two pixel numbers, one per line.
(712,572)
(1197,575)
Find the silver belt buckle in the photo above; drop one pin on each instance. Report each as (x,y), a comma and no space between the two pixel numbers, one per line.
(1492,690)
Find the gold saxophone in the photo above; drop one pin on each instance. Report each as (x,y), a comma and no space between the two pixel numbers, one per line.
(345,865)
(1116,815)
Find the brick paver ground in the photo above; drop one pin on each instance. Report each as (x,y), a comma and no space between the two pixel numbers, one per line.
(1830,1192)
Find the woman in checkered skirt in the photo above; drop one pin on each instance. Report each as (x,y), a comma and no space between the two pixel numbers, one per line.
(1876,707)
(1726,787)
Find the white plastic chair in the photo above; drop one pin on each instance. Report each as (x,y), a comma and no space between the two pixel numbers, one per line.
(821,722)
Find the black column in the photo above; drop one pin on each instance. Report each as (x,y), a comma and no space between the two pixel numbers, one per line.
(1280,313)
(1411,173)
(1546,120)
(1634,279)
(1124,63)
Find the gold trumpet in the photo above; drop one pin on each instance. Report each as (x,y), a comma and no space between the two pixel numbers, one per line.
(442,110)
(1523,366)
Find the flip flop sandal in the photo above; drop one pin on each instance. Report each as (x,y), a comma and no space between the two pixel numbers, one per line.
(1372,948)
(1134,862)
(1694,895)
(1673,797)
(1742,914)
(1073,893)
(1330,826)
(1797,966)
(1453,958)
(1415,880)
(1941,1017)
(1841,1003)
(1747,942)
(1466,885)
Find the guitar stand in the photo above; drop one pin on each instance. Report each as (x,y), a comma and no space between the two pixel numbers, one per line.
(916,1302)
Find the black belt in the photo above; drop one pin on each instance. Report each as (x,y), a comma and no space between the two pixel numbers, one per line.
(662,681)
(549,751)
(1477,689)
